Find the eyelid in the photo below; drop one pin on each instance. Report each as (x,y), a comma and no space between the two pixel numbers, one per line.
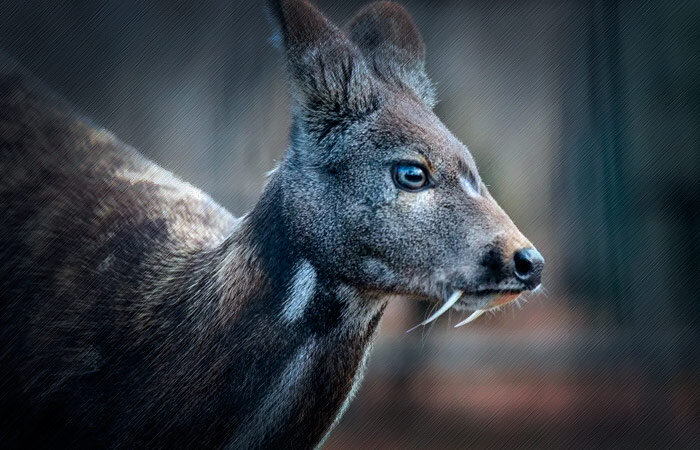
(412,162)
(415,155)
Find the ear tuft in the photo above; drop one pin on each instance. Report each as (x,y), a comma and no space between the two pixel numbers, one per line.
(383,24)
(301,24)
(391,43)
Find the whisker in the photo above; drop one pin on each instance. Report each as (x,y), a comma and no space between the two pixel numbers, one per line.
(429,310)
(518,301)
(539,290)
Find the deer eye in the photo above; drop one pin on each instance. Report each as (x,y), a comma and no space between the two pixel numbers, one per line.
(410,176)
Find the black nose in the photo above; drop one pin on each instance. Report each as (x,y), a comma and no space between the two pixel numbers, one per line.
(528,266)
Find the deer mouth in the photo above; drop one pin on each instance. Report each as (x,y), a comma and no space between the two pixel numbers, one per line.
(478,301)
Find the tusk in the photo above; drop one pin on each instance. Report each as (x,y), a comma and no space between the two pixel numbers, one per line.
(473,316)
(447,305)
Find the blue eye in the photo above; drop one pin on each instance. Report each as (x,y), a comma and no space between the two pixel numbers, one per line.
(410,176)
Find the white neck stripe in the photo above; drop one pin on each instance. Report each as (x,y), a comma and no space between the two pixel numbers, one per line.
(300,293)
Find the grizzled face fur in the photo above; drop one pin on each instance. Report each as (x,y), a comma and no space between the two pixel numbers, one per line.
(377,191)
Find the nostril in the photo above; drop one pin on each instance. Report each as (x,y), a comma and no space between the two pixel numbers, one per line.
(528,263)
(523,264)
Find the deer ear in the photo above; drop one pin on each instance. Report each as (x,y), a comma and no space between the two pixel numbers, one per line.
(327,71)
(393,47)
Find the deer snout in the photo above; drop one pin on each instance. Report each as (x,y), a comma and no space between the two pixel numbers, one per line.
(513,264)
(528,264)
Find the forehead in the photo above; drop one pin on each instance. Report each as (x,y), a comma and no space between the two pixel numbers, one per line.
(411,128)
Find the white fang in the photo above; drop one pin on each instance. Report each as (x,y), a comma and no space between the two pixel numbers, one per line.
(301,292)
(447,305)
(471,317)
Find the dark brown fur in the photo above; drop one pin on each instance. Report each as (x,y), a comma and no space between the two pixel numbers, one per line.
(121,320)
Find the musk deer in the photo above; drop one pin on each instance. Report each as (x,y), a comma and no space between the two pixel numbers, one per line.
(137,312)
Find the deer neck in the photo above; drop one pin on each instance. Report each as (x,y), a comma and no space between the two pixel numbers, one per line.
(303,334)
(266,273)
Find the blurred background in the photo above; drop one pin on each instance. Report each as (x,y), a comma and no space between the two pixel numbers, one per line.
(584,119)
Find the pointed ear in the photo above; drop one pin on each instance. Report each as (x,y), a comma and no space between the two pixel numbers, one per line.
(327,71)
(393,47)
